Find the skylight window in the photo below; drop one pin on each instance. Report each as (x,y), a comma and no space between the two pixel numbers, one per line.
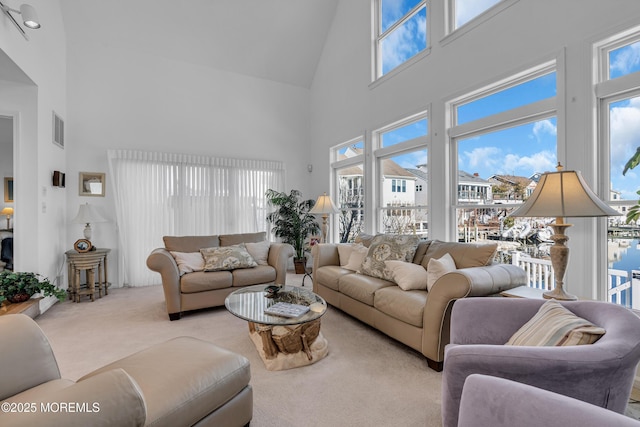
(401,33)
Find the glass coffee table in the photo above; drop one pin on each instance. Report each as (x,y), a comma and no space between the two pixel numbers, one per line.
(283,342)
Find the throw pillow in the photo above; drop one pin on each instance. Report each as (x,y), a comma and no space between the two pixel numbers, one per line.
(438,268)
(344,252)
(388,247)
(188,262)
(407,275)
(554,325)
(227,258)
(259,251)
(356,258)
(365,239)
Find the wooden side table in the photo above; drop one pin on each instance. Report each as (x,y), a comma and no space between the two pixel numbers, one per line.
(89,262)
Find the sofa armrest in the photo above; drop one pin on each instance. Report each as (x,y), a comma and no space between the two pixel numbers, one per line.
(162,261)
(111,398)
(461,283)
(279,254)
(325,254)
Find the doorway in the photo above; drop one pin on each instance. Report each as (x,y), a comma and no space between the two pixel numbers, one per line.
(8,194)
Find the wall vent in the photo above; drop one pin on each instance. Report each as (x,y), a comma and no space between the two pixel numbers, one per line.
(58,130)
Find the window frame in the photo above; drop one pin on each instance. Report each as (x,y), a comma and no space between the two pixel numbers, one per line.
(380,153)
(528,113)
(378,37)
(336,165)
(452,33)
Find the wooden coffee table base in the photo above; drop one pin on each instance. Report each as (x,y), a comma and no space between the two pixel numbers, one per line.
(287,347)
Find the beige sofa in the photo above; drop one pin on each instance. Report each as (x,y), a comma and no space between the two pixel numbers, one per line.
(200,289)
(181,382)
(417,318)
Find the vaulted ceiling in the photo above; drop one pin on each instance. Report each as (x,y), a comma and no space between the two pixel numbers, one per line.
(279,40)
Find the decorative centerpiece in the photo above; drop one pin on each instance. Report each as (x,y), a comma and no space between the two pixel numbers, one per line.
(19,287)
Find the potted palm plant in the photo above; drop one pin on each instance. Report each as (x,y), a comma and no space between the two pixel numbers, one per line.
(19,287)
(292,222)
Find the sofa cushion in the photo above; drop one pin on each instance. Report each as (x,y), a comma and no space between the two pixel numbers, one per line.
(388,247)
(205,281)
(259,251)
(236,239)
(227,258)
(329,275)
(554,325)
(438,268)
(407,306)
(254,276)
(188,262)
(465,255)
(357,256)
(190,243)
(360,287)
(407,275)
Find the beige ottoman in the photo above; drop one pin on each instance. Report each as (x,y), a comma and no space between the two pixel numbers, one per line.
(186,381)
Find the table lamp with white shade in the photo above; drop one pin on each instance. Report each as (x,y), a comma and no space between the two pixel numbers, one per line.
(87,214)
(324,206)
(562,194)
(8,211)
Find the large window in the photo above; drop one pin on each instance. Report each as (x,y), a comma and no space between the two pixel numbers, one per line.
(349,190)
(401,168)
(617,86)
(400,32)
(504,136)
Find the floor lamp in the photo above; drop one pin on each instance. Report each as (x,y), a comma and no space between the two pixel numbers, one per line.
(561,194)
(324,206)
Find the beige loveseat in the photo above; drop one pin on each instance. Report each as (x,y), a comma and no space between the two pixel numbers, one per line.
(181,382)
(417,318)
(203,289)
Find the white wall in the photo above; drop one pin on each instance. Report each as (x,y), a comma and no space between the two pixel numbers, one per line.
(345,105)
(133,100)
(32,84)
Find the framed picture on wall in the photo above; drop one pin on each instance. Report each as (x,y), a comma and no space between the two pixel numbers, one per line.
(92,184)
(8,189)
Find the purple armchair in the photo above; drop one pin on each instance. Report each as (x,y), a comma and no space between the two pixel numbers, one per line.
(496,402)
(601,373)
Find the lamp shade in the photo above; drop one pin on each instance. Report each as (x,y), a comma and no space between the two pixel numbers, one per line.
(7,211)
(324,205)
(563,194)
(87,214)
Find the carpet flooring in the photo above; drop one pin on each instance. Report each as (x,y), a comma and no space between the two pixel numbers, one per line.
(366,379)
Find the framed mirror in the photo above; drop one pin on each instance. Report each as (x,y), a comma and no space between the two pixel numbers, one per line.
(91,184)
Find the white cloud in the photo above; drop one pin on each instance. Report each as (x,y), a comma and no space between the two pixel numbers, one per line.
(544,127)
(625,133)
(481,157)
(627,59)
(542,161)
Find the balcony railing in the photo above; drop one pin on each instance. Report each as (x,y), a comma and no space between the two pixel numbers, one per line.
(623,287)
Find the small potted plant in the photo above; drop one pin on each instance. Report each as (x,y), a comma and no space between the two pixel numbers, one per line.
(19,287)
(292,222)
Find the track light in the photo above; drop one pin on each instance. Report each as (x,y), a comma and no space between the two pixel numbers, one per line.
(29,17)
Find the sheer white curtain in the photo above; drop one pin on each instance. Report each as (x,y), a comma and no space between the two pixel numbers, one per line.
(163,194)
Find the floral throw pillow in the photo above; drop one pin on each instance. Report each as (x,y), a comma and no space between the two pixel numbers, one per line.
(227,258)
(388,247)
